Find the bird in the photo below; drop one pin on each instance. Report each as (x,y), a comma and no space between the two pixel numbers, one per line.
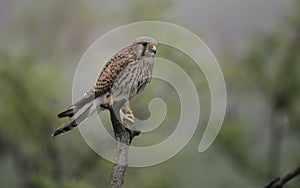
(127,73)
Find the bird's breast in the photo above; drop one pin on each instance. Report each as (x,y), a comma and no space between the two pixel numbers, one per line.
(133,79)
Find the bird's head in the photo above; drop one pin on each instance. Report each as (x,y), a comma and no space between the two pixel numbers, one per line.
(146,46)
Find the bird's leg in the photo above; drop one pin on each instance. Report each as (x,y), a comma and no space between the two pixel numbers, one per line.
(126,113)
(126,108)
(118,107)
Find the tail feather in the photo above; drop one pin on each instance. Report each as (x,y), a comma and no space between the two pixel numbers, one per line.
(67,113)
(77,106)
(75,119)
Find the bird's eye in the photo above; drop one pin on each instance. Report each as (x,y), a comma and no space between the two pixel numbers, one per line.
(144,43)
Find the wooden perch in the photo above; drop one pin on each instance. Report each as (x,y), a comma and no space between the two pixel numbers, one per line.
(280,182)
(124,133)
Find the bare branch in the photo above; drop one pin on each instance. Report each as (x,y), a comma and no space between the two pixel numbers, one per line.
(280,182)
(123,135)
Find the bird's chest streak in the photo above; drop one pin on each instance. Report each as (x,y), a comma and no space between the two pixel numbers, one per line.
(133,79)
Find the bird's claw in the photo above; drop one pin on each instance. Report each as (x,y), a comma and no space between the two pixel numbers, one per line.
(128,116)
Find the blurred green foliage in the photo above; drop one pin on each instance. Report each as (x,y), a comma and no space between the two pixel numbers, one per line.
(40,47)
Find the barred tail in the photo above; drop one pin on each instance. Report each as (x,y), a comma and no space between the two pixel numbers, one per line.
(74,120)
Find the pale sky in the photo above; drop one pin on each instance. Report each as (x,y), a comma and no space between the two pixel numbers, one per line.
(235,19)
(218,21)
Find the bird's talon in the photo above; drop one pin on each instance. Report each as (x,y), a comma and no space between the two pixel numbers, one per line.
(128,117)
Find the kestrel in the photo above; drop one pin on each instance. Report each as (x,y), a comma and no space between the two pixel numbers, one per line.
(123,77)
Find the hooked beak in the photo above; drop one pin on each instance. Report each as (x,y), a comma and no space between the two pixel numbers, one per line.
(153,48)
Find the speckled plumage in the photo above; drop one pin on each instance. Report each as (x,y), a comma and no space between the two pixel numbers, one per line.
(124,76)
(112,69)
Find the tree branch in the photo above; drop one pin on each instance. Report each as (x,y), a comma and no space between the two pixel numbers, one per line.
(279,182)
(124,133)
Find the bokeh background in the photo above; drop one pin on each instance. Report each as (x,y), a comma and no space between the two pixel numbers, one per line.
(256,43)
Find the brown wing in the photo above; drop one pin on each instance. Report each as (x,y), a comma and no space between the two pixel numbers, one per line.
(112,69)
(105,80)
